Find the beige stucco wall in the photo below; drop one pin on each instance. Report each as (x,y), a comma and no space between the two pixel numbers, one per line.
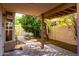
(63,34)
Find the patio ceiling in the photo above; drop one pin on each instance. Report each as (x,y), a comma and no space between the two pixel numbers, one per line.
(61,10)
(36,9)
(29,8)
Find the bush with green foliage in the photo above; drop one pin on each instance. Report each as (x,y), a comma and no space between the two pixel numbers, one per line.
(30,24)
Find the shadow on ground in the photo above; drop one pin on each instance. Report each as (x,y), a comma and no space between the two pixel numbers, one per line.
(64,45)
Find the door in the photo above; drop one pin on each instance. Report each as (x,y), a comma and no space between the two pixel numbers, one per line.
(1,42)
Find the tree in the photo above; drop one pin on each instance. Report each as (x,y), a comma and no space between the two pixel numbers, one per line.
(30,24)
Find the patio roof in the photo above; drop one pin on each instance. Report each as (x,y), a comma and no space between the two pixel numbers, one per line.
(61,10)
(36,9)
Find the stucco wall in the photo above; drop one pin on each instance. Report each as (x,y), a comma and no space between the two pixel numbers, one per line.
(63,34)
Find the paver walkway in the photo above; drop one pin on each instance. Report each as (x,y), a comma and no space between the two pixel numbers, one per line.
(32,48)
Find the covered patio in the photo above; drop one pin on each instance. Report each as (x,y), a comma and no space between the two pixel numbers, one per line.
(43,11)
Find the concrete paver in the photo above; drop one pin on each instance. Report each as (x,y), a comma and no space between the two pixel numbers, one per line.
(32,48)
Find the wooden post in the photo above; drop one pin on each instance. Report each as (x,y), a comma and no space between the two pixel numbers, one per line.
(78,29)
(42,32)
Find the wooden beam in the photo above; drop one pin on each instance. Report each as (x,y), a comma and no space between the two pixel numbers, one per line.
(62,13)
(59,8)
(73,9)
(68,12)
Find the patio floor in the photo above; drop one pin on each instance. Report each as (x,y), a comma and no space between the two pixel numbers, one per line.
(32,48)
